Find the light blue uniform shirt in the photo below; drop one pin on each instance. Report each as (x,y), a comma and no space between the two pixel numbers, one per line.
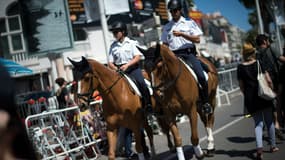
(122,53)
(186,26)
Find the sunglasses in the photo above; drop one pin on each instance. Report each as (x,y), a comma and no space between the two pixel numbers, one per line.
(174,10)
(116,31)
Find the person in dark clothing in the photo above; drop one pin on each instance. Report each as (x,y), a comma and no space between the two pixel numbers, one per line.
(269,58)
(62,94)
(259,108)
(14,141)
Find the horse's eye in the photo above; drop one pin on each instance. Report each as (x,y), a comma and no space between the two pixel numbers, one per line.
(86,78)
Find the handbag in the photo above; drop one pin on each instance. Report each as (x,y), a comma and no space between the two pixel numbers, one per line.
(264,91)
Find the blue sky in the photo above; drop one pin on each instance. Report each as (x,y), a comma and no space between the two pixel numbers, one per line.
(233,10)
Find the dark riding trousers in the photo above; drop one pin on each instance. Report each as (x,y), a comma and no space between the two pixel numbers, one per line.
(189,56)
(135,73)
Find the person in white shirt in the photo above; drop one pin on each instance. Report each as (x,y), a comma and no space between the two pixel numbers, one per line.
(125,56)
(180,34)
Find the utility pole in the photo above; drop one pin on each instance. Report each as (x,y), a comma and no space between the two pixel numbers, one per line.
(104,27)
(275,10)
(260,22)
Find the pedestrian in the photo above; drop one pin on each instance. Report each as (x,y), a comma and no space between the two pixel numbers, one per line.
(62,94)
(14,141)
(269,58)
(259,108)
(180,34)
(125,56)
(126,139)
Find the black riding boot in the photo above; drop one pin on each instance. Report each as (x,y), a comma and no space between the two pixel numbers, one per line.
(147,101)
(206,107)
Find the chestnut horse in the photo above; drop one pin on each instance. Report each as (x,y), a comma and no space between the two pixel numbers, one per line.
(121,106)
(177,90)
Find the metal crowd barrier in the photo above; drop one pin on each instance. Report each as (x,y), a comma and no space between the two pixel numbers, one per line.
(64,134)
(228,83)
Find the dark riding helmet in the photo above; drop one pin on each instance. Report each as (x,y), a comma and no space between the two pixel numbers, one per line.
(174,4)
(119,26)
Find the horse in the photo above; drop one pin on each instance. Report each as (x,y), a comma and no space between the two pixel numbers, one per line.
(177,90)
(121,105)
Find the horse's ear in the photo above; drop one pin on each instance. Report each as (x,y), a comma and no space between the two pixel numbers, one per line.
(157,50)
(72,62)
(143,51)
(84,61)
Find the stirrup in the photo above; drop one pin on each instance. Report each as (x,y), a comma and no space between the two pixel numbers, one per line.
(207,109)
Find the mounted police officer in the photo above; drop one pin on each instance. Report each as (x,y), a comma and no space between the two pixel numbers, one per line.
(180,34)
(125,56)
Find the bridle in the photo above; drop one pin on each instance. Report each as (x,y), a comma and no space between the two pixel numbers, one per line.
(88,97)
(163,86)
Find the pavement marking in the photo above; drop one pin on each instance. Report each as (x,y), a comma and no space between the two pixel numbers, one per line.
(172,156)
(223,128)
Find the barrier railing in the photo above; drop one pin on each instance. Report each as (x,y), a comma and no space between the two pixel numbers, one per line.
(228,83)
(63,134)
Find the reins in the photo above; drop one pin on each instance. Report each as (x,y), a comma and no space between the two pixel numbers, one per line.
(91,90)
(164,86)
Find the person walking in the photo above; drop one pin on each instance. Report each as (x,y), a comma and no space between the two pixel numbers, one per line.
(269,58)
(179,35)
(259,108)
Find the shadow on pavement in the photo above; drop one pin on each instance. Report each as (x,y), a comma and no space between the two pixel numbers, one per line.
(241,139)
(237,153)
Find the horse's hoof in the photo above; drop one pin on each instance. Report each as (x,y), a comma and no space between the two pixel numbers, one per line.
(201,157)
(210,152)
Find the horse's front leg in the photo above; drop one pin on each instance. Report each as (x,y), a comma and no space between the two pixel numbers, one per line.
(112,140)
(194,133)
(149,133)
(138,138)
(177,140)
(210,137)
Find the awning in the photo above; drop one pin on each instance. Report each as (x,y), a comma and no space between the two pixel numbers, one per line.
(14,68)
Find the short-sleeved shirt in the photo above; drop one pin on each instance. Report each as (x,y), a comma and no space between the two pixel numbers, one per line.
(122,53)
(248,75)
(187,26)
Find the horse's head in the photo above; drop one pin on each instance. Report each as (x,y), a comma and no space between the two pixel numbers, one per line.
(87,81)
(155,67)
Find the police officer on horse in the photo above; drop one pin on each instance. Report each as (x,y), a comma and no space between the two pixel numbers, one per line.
(180,34)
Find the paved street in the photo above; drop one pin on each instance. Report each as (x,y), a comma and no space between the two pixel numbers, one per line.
(234,137)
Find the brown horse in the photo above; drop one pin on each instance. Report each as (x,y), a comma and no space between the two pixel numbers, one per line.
(177,90)
(121,106)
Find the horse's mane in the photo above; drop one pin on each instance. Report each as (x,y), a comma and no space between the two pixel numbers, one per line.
(97,66)
(167,54)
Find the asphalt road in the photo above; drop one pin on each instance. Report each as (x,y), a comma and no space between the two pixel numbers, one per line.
(233,133)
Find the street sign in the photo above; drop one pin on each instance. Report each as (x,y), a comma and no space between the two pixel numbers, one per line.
(47,26)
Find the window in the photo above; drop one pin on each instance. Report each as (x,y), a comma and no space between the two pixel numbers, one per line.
(11,34)
(79,34)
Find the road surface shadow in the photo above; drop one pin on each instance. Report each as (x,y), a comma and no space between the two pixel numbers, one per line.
(237,153)
(241,139)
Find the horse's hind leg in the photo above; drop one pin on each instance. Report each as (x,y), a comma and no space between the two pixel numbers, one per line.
(112,140)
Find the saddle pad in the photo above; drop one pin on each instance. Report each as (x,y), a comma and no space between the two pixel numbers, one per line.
(192,72)
(136,89)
